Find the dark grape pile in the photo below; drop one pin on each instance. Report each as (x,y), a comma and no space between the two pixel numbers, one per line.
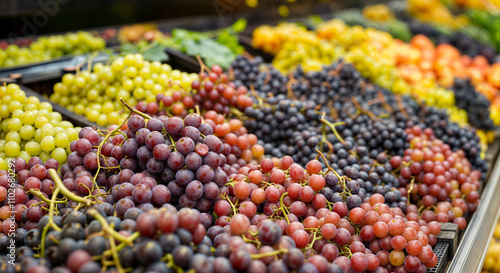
(252,172)
(346,97)
(475,103)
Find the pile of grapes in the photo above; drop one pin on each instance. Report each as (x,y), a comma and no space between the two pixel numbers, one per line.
(240,171)
(94,93)
(46,48)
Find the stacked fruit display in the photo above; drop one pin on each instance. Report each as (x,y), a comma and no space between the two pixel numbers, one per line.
(345,154)
(372,52)
(250,171)
(49,47)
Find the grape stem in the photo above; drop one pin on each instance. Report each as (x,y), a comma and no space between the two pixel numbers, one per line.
(328,165)
(267,254)
(251,241)
(282,207)
(410,190)
(332,127)
(384,102)
(122,245)
(169,259)
(107,228)
(364,111)
(114,252)
(400,105)
(50,223)
(39,194)
(202,65)
(99,148)
(66,192)
(134,110)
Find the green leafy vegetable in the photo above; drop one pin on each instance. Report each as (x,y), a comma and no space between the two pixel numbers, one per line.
(152,52)
(217,47)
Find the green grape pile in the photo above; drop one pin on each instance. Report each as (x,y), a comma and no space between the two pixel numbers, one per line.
(95,94)
(50,47)
(30,128)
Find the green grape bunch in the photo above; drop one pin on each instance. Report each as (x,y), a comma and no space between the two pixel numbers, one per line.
(31,128)
(46,48)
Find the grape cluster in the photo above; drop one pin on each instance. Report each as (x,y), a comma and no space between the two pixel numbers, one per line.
(341,92)
(182,154)
(33,185)
(50,47)
(167,193)
(213,91)
(476,104)
(95,94)
(434,176)
(30,128)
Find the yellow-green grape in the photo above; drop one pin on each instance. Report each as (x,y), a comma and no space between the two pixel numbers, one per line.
(40,121)
(61,140)
(59,154)
(19,96)
(47,130)
(29,126)
(13,136)
(48,143)
(33,148)
(3,165)
(44,156)
(12,148)
(26,132)
(14,105)
(102,120)
(15,124)
(24,155)
(17,114)
(5,125)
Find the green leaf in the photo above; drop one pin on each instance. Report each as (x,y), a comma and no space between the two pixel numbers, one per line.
(209,50)
(239,26)
(155,52)
(129,49)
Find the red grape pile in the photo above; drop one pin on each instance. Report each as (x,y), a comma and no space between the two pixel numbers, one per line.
(25,204)
(435,176)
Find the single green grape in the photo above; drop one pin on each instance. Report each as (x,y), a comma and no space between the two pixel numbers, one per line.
(61,140)
(15,124)
(12,149)
(26,132)
(24,155)
(13,136)
(40,121)
(48,143)
(28,118)
(59,154)
(33,148)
